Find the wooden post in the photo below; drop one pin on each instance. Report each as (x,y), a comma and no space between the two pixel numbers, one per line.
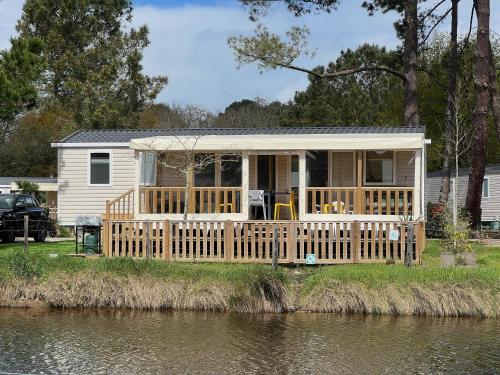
(148,242)
(355,241)
(292,242)
(409,245)
(228,240)
(275,247)
(166,240)
(105,235)
(26,223)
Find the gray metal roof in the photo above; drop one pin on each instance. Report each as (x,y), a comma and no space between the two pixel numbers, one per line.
(490,169)
(6,181)
(126,135)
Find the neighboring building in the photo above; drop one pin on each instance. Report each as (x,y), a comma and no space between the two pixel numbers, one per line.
(490,203)
(335,173)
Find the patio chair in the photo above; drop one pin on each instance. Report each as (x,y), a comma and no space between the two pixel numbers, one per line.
(335,208)
(290,205)
(256,199)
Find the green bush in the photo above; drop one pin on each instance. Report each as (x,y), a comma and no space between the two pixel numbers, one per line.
(436,219)
(457,237)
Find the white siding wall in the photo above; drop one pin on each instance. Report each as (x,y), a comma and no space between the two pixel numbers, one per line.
(76,197)
(490,206)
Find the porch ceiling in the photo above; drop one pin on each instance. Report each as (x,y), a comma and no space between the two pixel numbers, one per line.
(280,142)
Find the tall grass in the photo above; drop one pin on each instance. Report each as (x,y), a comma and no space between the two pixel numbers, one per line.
(64,281)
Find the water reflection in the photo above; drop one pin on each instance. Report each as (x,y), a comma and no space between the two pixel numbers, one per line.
(124,342)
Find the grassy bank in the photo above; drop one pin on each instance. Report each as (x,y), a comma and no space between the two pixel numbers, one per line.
(62,281)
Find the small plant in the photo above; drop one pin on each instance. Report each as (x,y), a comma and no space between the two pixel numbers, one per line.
(457,237)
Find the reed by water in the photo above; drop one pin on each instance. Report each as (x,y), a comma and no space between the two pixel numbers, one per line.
(36,279)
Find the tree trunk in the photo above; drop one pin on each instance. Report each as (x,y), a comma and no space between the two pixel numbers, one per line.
(451,106)
(481,83)
(495,101)
(410,63)
(187,192)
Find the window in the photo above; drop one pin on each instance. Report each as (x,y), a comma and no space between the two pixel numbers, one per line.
(148,168)
(486,187)
(30,202)
(21,202)
(100,168)
(295,171)
(317,168)
(230,173)
(205,176)
(379,167)
(265,172)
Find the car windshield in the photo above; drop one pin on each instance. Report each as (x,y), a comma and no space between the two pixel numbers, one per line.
(6,201)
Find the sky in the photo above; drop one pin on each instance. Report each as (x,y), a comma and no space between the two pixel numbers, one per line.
(189,45)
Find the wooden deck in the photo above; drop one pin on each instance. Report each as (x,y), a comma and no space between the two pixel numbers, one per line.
(256,241)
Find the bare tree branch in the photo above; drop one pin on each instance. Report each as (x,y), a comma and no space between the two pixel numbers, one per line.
(422,43)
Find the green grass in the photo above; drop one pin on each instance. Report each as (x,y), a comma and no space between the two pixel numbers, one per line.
(487,273)
(37,263)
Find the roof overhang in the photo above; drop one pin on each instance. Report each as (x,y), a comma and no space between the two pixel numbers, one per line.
(281,142)
(90,145)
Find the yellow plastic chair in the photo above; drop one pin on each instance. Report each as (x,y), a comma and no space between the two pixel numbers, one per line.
(335,206)
(222,207)
(290,205)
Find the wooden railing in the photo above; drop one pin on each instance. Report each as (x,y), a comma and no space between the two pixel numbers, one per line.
(171,200)
(330,200)
(362,201)
(257,241)
(121,208)
(388,201)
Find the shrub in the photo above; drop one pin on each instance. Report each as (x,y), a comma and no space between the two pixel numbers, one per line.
(436,219)
(457,237)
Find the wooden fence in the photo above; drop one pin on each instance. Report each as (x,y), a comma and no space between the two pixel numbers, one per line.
(255,241)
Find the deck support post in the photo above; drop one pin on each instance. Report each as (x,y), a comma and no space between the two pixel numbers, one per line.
(137,195)
(302,184)
(358,199)
(245,183)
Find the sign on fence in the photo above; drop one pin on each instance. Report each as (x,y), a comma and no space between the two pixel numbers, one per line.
(310,258)
(394,235)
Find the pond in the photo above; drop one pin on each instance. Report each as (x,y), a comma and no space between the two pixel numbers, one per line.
(38,341)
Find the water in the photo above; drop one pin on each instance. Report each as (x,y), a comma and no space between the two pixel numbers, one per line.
(124,342)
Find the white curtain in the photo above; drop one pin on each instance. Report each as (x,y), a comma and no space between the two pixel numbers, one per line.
(148,168)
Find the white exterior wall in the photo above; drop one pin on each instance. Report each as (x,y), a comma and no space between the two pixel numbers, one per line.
(76,196)
(490,206)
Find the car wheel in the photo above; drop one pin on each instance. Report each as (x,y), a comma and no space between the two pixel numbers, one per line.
(40,236)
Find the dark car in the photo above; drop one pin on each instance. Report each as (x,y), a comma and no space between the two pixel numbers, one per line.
(13,208)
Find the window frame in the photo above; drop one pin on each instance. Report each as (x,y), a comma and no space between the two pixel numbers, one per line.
(89,167)
(394,170)
(487,180)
